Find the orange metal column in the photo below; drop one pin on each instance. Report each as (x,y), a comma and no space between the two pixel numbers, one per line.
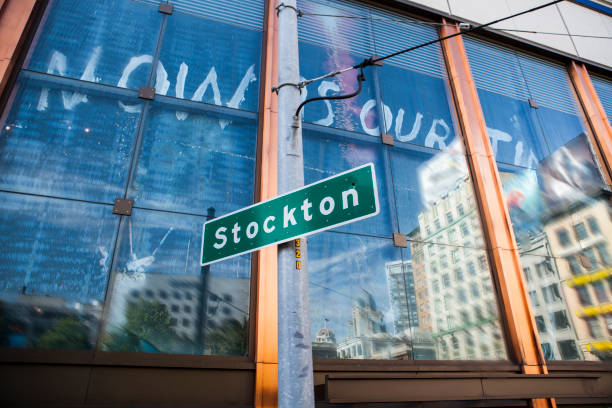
(595,114)
(14,16)
(524,341)
(266,327)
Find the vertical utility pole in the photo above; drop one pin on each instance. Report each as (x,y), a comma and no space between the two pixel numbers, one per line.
(295,382)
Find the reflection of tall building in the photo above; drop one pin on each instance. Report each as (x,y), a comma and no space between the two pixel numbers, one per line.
(464,319)
(420,280)
(369,338)
(581,235)
(400,283)
(226,298)
(557,334)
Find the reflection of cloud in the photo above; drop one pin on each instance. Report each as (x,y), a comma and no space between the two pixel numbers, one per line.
(355,155)
(342,257)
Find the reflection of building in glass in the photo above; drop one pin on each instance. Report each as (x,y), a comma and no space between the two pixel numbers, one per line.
(324,345)
(420,280)
(191,315)
(557,334)
(369,339)
(581,235)
(400,283)
(464,319)
(48,322)
(401,278)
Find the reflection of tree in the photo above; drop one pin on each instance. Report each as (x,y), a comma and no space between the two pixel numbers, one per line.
(229,338)
(66,333)
(147,326)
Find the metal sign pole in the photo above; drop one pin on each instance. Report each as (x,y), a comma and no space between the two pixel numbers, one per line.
(295,382)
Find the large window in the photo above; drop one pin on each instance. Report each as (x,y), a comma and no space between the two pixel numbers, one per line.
(362,287)
(75,136)
(554,191)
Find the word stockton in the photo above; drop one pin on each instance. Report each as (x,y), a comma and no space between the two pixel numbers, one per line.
(328,203)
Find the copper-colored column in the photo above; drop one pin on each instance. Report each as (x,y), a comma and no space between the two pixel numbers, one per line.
(266,326)
(595,116)
(14,16)
(524,346)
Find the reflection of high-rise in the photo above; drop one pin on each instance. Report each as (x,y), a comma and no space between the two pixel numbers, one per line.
(420,281)
(369,338)
(226,299)
(400,283)
(461,298)
(581,236)
(541,271)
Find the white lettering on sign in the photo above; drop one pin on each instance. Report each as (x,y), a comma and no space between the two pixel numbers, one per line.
(268,229)
(252,230)
(288,217)
(354,196)
(223,238)
(329,203)
(307,205)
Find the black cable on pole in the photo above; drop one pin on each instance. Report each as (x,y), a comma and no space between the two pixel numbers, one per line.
(360,79)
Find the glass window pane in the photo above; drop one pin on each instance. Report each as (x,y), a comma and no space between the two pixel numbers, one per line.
(203,161)
(327,44)
(367,307)
(557,199)
(53,270)
(427,182)
(327,155)
(159,254)
(104,41)
(211,62)
(67,142)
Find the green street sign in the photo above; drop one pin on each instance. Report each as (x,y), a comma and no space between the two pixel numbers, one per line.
(346,197)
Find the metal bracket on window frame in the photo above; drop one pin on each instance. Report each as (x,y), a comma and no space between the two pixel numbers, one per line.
(400,240)
(123,206)
(165,8)
(146,92)
(388,139)
(533,103)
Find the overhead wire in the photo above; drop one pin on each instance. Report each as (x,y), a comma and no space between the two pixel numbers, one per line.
(374,60)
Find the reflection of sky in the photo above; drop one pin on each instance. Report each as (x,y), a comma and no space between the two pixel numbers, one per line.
(153,242)
(55,247)
(340,266)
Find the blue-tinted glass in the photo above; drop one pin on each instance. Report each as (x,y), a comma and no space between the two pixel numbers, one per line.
(430,191)
(326,155)
(419,107)
(560,190)
(67,142)
(358,113)
(513,129)
(211,62)
(191,161)
(331,43)
(603,87)
(106,41)
(162,300)
(550,87)
(414,85)
(351,313)
(54,267)
(249,14)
